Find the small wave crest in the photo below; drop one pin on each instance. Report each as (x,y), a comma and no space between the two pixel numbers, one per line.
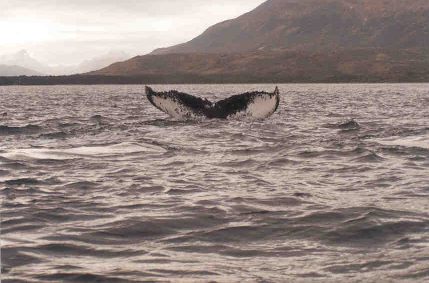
(350,125)
(82,151)
(421,141)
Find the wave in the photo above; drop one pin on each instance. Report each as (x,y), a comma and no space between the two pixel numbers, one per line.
(358,154)
(15,257)
(354,226)
(22,181)
(54,135)
(24,130)
(350,125)
(357,226)
(371,157)
(82,250)
(84,277)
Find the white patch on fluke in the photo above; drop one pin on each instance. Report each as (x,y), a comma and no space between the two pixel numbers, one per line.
(262,106)
(172,107)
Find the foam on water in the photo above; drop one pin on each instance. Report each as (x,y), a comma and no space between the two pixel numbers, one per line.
(70,153)
(421,141)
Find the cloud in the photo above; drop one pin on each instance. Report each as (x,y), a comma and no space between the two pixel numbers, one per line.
(63,31)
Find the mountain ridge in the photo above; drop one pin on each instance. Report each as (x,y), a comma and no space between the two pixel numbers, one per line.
(293,40)
(13,70)
(24,62)
(316,25)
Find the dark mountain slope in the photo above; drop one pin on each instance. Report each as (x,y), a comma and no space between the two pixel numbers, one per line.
(316,25)
(301,40)
(358,65)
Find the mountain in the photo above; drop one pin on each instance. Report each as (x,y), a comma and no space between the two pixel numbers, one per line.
(8,71)
(89,65)
(300,40)
(23,61)
(317,25)
(101,61)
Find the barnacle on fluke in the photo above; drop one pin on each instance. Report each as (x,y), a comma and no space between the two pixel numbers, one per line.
(258,105)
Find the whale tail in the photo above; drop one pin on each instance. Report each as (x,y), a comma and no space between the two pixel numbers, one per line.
(258,105)
(178,104)
(148,90)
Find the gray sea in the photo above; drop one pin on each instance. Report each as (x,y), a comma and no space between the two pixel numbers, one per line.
(99,186)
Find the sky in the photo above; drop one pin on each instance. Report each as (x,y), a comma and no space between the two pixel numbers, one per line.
(66,32)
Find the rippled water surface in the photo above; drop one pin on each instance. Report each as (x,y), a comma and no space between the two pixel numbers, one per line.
(98,186)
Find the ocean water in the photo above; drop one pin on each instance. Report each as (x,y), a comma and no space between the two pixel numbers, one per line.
(99,186)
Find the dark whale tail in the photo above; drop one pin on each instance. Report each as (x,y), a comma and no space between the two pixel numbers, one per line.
(178,104)
(256,105)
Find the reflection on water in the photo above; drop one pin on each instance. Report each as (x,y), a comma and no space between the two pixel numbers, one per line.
(99,186)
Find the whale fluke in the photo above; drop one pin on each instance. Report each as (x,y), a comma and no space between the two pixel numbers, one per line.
(257,105)
(178,104)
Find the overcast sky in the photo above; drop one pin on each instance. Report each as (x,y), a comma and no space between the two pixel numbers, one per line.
(69,31)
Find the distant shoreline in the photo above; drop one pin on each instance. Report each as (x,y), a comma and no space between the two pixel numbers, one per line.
(184,79)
